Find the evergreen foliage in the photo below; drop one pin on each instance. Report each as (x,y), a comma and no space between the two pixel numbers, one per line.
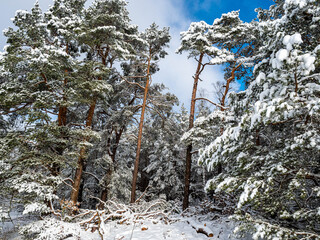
(270,149)
(74,82)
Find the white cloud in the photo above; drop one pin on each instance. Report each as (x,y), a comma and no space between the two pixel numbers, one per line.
(164,12)
(176,70)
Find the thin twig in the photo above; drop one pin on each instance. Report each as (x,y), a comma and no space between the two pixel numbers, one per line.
(53,211)
(69,184)
(217,105)
(142,194)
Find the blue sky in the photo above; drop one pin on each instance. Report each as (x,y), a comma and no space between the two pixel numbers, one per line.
(176,71)
(208,10)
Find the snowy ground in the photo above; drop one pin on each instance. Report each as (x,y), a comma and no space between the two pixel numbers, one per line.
(177,231)
(184,229)
(188,226)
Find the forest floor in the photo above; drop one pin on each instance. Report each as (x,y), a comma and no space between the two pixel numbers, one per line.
(186,226)
(184,229)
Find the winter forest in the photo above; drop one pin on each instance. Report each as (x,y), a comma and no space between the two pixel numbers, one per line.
(92,148)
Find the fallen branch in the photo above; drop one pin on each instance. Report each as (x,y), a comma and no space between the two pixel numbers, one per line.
(201,230)
(145,191)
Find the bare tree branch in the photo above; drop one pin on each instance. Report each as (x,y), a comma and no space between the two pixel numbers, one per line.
(217,105)
(160,114)
(15,110)
(132,83)
(92,175)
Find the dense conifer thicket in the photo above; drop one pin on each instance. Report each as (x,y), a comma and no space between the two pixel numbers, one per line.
(81,121)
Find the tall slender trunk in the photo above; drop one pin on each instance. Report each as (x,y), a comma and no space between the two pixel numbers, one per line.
(81,161)
(189,147)
(136,164)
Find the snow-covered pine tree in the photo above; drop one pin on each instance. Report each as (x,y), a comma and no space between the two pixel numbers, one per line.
(166,153)
(50,85)
(153,49)
(271,153)
(33,68)
(228,42)
(113,120)
(106,37)
(116,115)
(196,42)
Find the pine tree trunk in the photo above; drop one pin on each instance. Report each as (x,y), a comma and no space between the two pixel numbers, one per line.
(189,147)
(78,177)
(62,119)
(136,164)
(105,191)
(62,115)
(223,104)
(226,91)
(81,161)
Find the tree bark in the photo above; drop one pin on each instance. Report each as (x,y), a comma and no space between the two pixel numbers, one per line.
(229,80)
(189,147)
(81,161)
(62,119)
(136,164)
(223,103)
(62,115)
